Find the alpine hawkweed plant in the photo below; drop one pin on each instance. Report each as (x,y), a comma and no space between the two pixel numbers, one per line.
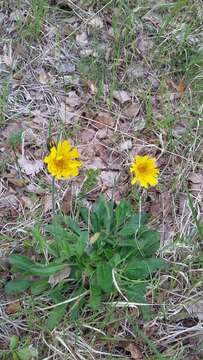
(92,249)
(145,171)
(62,163)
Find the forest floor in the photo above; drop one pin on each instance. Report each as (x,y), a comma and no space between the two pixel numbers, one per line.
(118,78)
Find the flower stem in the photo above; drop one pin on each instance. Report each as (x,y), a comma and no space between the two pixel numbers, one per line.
(53,197)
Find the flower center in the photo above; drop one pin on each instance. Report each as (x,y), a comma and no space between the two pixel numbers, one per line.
(60,161)
(142,168)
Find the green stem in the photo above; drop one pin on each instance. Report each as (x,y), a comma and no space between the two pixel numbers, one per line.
(53,197)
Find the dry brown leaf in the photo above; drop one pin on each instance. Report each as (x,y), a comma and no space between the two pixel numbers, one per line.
(73,99)
(102,119)
(132,111)
(108,178)
(87,135)
(126,145)
(96,22)
(43,77)
(91,87)
(179,87)
(67,202)
(20,50)
(16,182)
(47,203)
(30,167)
(27,202)
(122,96)
(66,113)
(196,309)
(13,308)
(14,127)
(196,178)
(82,39)
(8,201)
(60,276)
(134,351)
(179,129)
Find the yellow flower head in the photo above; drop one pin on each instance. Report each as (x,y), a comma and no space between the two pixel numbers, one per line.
(61,161)
(145,171)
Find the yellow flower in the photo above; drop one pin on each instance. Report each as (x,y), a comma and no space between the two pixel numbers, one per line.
(61,161)
(145,171)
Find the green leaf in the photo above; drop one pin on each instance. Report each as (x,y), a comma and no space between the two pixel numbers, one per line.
(27,353)
(81,243)
(14,340)
(39,286)
(60,233)
(136,293)
(84,212)
(45,271)
(73,225)
(95,297)
(123,211)
(22,263)
(149,242)
(55,316)
(104,277)
(141,269)
(133,225)
(16,287)
(41,241)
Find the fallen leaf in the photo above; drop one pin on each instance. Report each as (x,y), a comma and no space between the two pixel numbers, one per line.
(179,87)
(66,113)
(65,68)
(27,202)
(196,178)
(82,39)
(43,76)
(12,128)
(132,110)
(66,205)
(102,119)
(16,182)
(144,44)
(34,189)
(102,133)
(73,99)
(179,130)
(87,135)
(8,55)
(196,309)
(47,203)
(20,50)
(30,167)
(126,145)
(108,178)
(8,201)
(96,22)
(60,276)
(91,87)
(136,71)
(134,351)
(97,163)
(13,308)
(122,96)
(166,203)
(139,123)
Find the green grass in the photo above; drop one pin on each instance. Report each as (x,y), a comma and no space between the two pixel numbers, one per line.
(32,28)
(4,92)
